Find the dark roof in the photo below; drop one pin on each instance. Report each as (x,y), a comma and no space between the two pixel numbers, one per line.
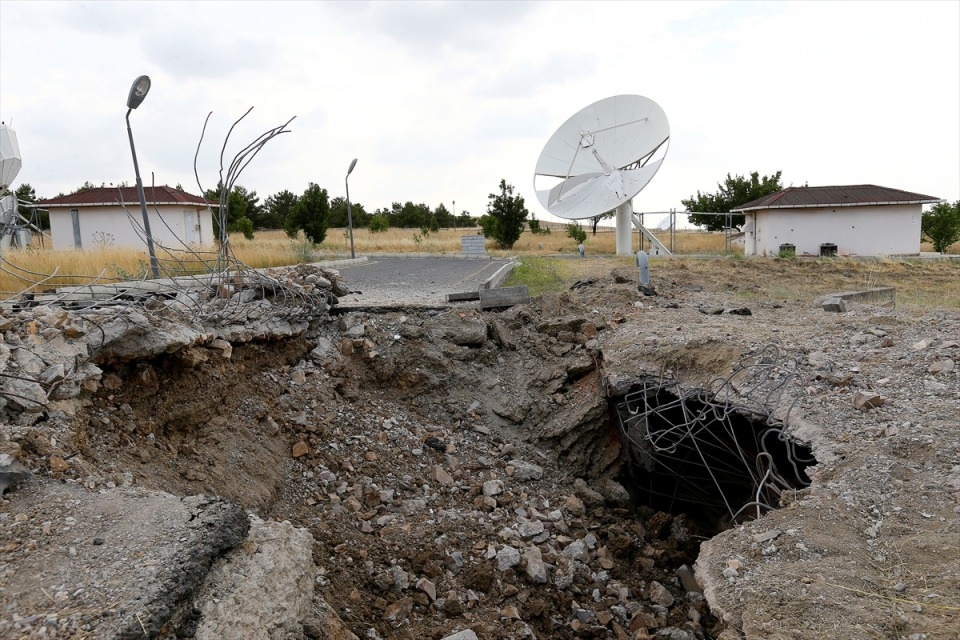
(842,196)
(110,196)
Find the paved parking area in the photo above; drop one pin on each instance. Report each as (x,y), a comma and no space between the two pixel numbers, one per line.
(414,280)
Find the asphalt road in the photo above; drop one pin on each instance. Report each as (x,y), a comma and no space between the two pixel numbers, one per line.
(414,280)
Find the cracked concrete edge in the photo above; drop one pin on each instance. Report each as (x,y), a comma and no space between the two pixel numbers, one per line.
(502,274)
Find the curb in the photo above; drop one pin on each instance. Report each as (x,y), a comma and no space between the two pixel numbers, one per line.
(502,274)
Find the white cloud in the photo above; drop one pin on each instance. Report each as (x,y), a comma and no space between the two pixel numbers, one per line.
(440,100)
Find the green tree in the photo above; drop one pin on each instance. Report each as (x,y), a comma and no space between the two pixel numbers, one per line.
(734,192)
(339,217)
(464,219)
(411,216)
(942,225)
(38,217)
(575,231)
(242,209)
(595,220)
(277,207)
(310,215)
(443,217)
(506,215)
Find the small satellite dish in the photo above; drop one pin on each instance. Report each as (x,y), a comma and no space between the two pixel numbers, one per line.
(601,157)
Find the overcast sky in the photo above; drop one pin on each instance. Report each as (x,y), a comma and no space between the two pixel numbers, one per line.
(439,101)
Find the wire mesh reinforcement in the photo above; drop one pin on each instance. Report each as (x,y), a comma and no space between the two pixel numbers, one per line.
(212,287)
(197,287)
(719,451)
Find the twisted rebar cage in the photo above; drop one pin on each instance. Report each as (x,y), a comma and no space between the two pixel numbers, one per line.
(697,438)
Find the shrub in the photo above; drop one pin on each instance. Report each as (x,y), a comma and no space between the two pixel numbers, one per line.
(379,223)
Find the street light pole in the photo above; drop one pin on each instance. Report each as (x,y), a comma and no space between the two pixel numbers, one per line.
(137,93)
(346,181)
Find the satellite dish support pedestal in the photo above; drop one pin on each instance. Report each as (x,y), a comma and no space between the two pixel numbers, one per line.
(624,240)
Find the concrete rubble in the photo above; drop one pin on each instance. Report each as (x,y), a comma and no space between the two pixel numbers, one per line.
(382,475)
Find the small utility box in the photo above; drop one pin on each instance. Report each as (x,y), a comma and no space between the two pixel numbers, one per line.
(828,249)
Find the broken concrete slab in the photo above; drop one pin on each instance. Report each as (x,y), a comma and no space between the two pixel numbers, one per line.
(233,601)
(878,296)
(467,296)
(145,552)
(506,297)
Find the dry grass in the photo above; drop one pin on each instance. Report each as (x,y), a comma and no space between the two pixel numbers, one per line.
(919,284)
(448,241)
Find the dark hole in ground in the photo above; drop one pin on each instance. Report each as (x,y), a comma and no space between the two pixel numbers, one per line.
(714,462)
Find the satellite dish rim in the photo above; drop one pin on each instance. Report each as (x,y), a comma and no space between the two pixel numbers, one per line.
(598,169)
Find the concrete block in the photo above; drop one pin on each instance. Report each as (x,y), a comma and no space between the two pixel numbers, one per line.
(506,297)
(473,245)
(834,305)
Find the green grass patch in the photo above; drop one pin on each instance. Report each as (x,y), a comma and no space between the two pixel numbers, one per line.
(541,275)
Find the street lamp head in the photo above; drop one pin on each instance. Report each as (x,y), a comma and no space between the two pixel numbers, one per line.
(138,92)
(353,163)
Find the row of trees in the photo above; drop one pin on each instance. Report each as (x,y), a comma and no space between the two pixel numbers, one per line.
(313,212)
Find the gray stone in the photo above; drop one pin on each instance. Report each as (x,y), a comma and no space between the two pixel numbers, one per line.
(400,578)
(464,329)
(688,579)
(428,587)
(659,594)
(942,366)
(507,558)
(525,470)
(492,487)
(564,571)
(576,550)
(834,305)
(863,400)
(536,569)
(530,528)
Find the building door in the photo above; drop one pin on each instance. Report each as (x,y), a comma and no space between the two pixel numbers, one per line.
(75,219)
(190,227)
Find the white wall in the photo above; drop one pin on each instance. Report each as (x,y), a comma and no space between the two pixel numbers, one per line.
(110,226)
(863,230)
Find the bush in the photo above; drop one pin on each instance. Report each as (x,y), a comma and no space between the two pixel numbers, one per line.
(379,223)
(242,225)
(576,232)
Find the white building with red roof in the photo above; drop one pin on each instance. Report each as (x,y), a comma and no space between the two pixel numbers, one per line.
(111,217)
(856,220)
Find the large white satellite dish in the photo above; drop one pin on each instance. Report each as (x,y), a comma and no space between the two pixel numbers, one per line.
(602,157)
(10,161)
